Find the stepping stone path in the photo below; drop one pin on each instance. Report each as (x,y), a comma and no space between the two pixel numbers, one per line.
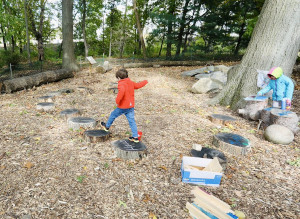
(95,136)
(45,107)
(68,113)
(76,123)
(221,119)
(47,98)
(232,143)
(127,150)
(279,134)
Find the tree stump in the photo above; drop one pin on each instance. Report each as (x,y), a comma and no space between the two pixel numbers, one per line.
(221,119)
(94,136)
(232,143)
(48,99)
(69,113)
(285,118)
(253,107)
(265,116)
(76,123)
(127,150)
(45,107)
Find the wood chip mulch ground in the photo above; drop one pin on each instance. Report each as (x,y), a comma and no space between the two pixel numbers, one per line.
(49,171)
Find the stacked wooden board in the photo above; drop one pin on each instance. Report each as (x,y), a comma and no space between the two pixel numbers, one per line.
(206,206)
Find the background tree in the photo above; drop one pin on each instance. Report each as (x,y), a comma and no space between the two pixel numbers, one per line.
(274,42)
(139,27)
(69,61)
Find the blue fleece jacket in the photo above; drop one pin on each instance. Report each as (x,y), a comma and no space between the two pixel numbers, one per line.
(283,87)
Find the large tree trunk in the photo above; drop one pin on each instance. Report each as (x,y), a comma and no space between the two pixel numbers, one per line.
(27,33)
(275,42)
(26,82)
(138,24)
(67,30)
(86,47)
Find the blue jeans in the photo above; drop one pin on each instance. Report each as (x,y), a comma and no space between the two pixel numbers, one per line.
(129,113)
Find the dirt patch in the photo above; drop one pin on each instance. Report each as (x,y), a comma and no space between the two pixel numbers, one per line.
(49,171)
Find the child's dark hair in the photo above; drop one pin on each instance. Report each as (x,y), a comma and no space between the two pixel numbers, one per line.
(122,73)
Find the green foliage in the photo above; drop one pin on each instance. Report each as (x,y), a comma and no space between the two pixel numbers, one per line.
(9,57)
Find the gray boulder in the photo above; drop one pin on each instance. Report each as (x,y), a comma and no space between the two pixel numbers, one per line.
(198,76)
(205,85)
(222,68)
(195,72)
(279,134)
(219,76)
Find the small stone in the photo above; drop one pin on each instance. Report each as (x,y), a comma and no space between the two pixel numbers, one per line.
(197,147)
(279,134)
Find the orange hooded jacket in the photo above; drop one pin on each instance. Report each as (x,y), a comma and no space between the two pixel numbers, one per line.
(125,97)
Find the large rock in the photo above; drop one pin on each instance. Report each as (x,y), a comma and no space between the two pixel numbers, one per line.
(205,75)
(219,77)
(196,71)
(279,134)
(205,85)
(222,68)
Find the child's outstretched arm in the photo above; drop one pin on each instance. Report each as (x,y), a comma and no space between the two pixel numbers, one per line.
(140,84)
(264,90)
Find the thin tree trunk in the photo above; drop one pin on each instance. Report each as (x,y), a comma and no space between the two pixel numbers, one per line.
(170,29)
(182,26)
(275,42)
(3,38)
(123,38)
(110,39)
(86,46)
(69,61)
(13,43)
(27,34)
(161,45)
(138,24)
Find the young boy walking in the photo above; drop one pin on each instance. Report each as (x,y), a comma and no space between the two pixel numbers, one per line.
(125,103)
(282,86)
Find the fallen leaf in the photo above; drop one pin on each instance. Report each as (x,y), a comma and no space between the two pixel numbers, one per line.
(151,215)
(163,167)
(146,198)
(28,165)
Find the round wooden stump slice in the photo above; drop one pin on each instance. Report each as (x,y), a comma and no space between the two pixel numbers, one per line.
(232,143)
(76,123)
(95,136)
(221,119)
(265,116)
(45,107)
(285,118)
(68,113)
(49,99)
(128,150)
(53,93)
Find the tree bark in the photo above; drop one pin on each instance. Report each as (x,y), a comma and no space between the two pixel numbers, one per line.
(27,33)
(138,24)
(26,82)
(67,31)
(171,11)
(3,38)
(275,42)
(86,47)
(123,38)
(182,26)
(161,45)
